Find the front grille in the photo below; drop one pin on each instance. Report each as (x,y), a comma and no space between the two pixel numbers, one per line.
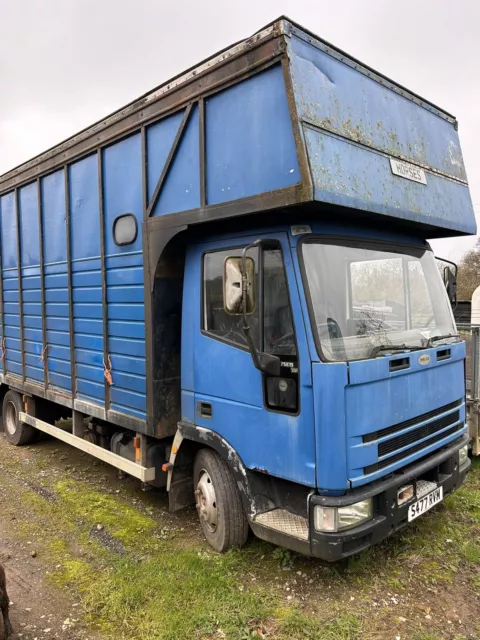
(424,431)
(430,433)
(376,435)
(418,447)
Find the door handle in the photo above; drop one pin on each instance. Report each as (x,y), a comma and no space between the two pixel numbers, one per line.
(204,409)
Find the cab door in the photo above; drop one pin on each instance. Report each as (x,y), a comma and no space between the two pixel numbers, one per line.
(267,419)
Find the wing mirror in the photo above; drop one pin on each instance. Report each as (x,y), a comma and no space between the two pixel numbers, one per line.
(450,280)
(232,286)
(239,298)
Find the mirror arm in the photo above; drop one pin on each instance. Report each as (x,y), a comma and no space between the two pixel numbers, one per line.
(454,265)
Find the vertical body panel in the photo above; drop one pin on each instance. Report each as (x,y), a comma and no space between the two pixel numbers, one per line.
(56,281)
(181,189)
(329,382)
(249,139)
(11,299)
(122,191)
(160,138)
(31,285)
(86,280)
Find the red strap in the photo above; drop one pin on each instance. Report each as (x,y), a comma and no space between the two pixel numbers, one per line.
(108,371)
(42,357)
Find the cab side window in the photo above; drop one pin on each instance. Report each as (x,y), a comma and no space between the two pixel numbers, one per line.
(216,321)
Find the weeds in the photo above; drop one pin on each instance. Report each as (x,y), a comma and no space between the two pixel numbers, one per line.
(284,558)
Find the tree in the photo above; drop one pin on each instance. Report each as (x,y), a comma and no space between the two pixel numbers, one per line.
(469,273)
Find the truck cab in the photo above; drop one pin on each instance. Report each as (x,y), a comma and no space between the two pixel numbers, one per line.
(365,414)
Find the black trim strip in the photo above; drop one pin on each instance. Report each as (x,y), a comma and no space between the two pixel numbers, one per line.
(69,280)
(44,357)
(20,284)
(143,146)
(201,148)
(147,293)
(381,464)
(376,435)
(101,210)
(414,435)
(2,320)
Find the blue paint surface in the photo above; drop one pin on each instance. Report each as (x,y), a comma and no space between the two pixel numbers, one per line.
(354,124)
(181,189)
(404,395)
(11,317)
(160,137)
(30,263)
(234,388)
(56,280)
(347,174)
(86,275)
(250,147)
(122,171)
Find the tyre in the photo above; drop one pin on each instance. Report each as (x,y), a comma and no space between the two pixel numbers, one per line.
(218,501)
(17,433)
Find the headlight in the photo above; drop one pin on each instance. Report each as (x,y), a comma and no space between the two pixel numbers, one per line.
(463,455)
(332,519)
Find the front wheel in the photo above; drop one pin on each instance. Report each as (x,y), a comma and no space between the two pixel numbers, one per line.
(17,433)
(218,501)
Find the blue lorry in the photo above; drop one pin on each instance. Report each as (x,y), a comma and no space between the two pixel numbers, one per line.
(227,286)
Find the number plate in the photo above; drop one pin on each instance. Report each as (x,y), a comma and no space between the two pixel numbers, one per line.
(424,504)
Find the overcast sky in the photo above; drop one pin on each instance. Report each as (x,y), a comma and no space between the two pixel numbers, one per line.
(66,63)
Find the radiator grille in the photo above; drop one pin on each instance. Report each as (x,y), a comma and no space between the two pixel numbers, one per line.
(376,435)
(428,429)
(430,433)
(418,447)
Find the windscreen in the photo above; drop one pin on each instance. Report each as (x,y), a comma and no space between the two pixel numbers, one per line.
(370,297)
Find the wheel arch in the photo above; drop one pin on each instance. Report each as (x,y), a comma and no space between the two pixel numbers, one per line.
(188,441)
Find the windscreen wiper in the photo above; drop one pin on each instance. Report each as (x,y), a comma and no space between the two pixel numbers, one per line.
(388,347)
(444,337)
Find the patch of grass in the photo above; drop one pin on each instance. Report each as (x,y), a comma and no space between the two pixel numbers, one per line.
(297,626)
(395,584)
(424,635)
(471,552)
(69,570)
(92,508)
(175,596)
(165,591)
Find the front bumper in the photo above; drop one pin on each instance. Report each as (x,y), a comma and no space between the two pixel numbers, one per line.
(442,468)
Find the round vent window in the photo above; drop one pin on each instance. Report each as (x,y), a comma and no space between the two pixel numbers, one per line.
(125,229)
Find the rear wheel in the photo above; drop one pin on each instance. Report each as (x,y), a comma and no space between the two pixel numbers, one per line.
(218,501)
(17,433)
